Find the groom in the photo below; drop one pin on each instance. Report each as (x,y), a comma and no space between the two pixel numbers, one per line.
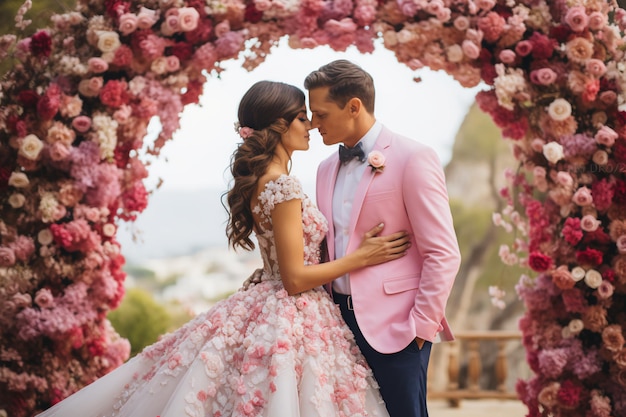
(396,309)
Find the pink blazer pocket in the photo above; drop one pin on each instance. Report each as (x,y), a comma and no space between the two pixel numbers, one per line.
(397,285)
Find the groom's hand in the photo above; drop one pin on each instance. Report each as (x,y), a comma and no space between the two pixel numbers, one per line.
(420,342)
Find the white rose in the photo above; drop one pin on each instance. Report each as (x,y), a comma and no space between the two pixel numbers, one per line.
(553,152)
(45,236)
(390,38)
(405,36)
(454,53)
(159,65)
(108,41)
(560,109)
(600,157)
(18,180)
(576,326)
(17,200)
(578,273)
(108,229)
(31,147)
(593,278)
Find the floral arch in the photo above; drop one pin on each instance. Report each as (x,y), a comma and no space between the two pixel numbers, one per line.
(73,116)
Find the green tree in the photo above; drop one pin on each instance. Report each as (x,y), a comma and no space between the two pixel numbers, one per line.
(140,319)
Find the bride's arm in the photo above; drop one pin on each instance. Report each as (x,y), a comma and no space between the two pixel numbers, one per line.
(288,235)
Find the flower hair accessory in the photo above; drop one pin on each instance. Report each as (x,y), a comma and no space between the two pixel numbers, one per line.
(243,131)
(376,161)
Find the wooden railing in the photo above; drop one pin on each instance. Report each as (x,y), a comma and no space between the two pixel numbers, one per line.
(469,343)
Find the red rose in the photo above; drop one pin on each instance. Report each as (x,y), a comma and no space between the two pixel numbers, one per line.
(560,33)
(5,173)
(619,196)
(182,50)
(589,257)
(608,275)
(569,394)
(201,34)
(539,262)
(28,98)
(543,46)
(116,8)
(252,14)
(41,44)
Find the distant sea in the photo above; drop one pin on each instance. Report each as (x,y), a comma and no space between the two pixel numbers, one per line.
(178,222)
(175,223)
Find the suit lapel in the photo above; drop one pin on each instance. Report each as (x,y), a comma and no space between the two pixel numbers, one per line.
(383,142)
(326,202)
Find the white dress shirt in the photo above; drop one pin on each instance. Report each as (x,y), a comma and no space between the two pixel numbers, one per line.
(348,178)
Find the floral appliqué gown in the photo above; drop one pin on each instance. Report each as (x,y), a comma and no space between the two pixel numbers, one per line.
(259,352)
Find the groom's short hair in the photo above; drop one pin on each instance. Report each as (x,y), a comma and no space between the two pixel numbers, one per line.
(345,80)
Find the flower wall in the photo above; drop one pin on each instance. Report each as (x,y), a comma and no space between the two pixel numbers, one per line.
(74,112)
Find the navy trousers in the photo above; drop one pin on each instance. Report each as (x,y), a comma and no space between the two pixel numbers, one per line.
(401,375)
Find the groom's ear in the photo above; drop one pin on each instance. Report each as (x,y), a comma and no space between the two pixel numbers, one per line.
(354,106)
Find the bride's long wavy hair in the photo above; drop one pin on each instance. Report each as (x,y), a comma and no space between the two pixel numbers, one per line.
(268,108)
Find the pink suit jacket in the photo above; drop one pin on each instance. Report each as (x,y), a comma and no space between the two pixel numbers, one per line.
(396,301)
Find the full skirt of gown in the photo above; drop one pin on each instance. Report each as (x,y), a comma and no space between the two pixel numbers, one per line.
(261,352)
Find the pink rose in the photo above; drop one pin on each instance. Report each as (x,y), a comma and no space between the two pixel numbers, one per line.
(543,76)
(524,48)
(7,256)
(470,49)
(589,223)
(58,151)
(128,23)
(188,18)
(576,18)
(44,298)
(170,25)
(507,56)
(537,144)
(582,197)
(376,160)
(564,179)
(608,97)
(81,123)
(90,87)
(222,28)
(461,23)
(562,278)
(485,4)
(172,63)
(597,20)
(97,65)
(606,136)
(595,67)
(245,132)
(146,18)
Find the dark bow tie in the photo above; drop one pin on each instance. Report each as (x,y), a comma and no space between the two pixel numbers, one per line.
(348,154)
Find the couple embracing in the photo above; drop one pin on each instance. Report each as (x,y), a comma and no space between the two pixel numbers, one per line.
(341,318)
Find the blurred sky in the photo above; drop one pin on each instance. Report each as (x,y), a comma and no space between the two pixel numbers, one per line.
(198,156)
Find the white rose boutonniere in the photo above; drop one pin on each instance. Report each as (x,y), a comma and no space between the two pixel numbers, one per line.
(376,161)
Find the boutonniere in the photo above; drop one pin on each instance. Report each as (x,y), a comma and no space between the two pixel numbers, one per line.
(376,161)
